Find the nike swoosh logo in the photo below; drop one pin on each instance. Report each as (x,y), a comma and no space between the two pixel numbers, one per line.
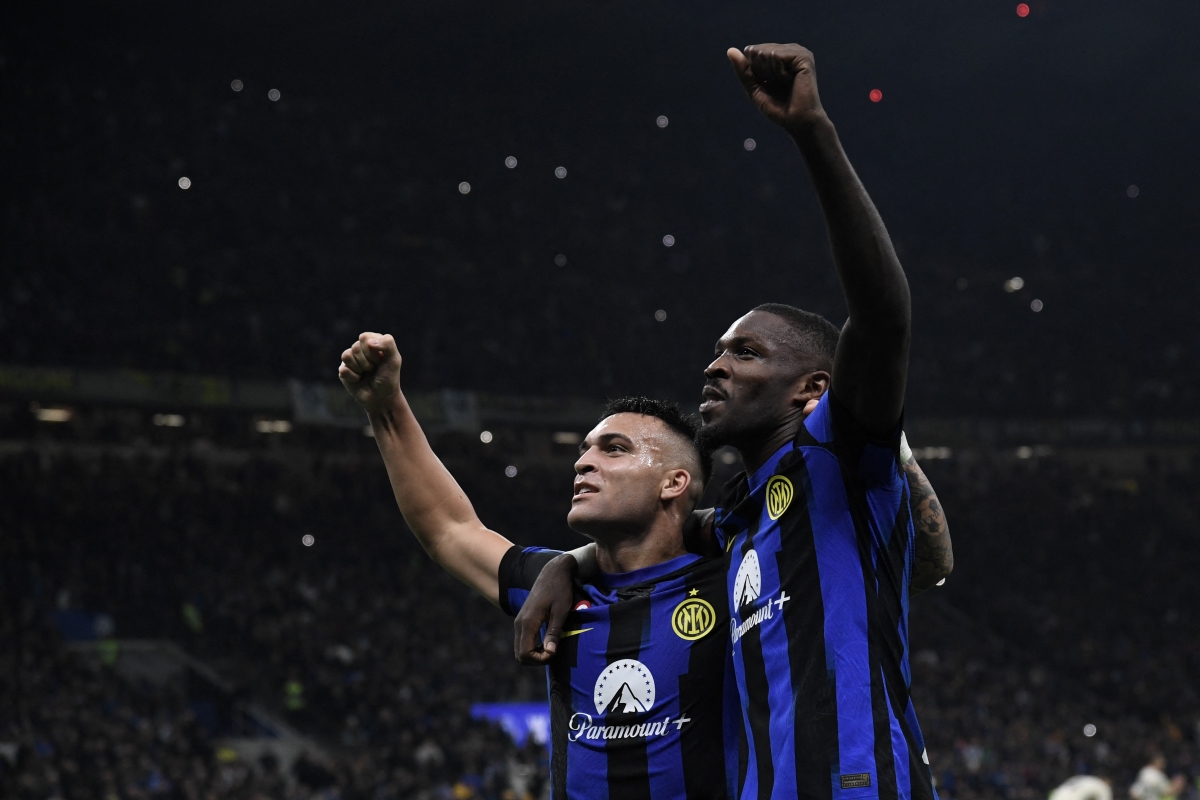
(565,634)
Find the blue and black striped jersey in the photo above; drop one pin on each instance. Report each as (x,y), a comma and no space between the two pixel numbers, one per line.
(642,698)
(820,541)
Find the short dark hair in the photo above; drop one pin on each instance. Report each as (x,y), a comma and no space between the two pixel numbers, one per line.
(686,425)
(817,336)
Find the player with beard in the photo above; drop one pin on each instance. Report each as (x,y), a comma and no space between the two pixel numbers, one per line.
(642,699)
(819,535)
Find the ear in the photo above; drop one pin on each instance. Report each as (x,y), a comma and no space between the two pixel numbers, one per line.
(675,484)
(810,387)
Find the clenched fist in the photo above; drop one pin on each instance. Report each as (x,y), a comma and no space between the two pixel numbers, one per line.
(781,79)
(370,370)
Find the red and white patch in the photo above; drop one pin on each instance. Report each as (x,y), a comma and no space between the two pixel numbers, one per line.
(582,604)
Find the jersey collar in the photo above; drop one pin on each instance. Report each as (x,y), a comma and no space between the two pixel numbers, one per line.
(619,580)
(764,473)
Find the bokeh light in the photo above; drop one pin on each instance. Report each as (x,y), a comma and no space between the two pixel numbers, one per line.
(273,95)
(308,540)
(660,315)
(1133,191)
(237,85)
(1022,9)
(1036,305)
(876,95)
(560,172)
(1089,730)
(749,144)
(185,182)
(669,240)
(510,471)
(661,121)
(510,162)
(464,188)
(560,260)
(486,437)
(1014,284)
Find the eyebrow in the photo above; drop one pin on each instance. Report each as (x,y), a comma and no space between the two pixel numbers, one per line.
(601,440)
(717,348)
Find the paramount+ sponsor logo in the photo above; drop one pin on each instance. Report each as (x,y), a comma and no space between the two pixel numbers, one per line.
(756,617)
(623,691)
(583,726)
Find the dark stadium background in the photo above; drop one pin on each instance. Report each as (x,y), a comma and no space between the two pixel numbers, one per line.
(171,425)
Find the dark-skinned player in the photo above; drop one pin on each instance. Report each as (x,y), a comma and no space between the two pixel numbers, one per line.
(820,538)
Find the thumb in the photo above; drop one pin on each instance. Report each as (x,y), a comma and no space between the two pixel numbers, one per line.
(383,348)
(553,632)
(741,68)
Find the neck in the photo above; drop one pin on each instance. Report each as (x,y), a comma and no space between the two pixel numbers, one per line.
(756,450)
(661,541)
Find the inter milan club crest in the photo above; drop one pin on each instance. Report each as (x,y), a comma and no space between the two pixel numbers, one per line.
(693,619)
(779,496)
(625,687)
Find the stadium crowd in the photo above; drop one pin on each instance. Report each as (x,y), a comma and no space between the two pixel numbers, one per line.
(363,645)
(337,208)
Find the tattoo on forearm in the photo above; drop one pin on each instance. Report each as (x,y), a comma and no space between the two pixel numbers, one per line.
(933,558)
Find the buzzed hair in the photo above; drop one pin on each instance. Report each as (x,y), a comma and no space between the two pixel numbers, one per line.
(686,425)
(816,337)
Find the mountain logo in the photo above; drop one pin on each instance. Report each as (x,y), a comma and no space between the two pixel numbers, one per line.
(747,584)
(625,687)
(779,496)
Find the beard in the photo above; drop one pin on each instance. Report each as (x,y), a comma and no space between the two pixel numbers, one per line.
(716,434)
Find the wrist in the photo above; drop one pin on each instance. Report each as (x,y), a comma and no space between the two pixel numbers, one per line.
(810,127)
(380,411)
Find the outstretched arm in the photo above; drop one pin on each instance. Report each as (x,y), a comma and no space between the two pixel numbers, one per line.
(871,366)
(933,556)
(432,502)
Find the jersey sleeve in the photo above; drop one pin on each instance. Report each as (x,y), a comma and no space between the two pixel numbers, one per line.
(519,568)
(876,461)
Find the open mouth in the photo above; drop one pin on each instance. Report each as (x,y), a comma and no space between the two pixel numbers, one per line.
(583,489)
(712,398)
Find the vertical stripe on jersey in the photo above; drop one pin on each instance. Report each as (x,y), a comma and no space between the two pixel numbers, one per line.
(900,748)
(844,595)
(562,706)
(816,720)
(690,777)
(772,636)
(628,763)
(752,684)
(666,773)
(583,762)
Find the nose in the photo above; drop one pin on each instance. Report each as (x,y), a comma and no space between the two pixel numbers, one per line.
(717,369)
(584,464)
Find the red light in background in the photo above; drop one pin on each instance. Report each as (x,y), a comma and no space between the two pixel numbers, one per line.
(876,95)
(1022,9)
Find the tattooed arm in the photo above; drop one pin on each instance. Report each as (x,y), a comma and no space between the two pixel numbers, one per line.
(934,556)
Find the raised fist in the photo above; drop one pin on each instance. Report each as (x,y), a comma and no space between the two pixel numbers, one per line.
(370,370)
(781,79)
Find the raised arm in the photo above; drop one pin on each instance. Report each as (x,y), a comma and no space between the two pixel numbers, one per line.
(432,502)
(871,365)
(933,556)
